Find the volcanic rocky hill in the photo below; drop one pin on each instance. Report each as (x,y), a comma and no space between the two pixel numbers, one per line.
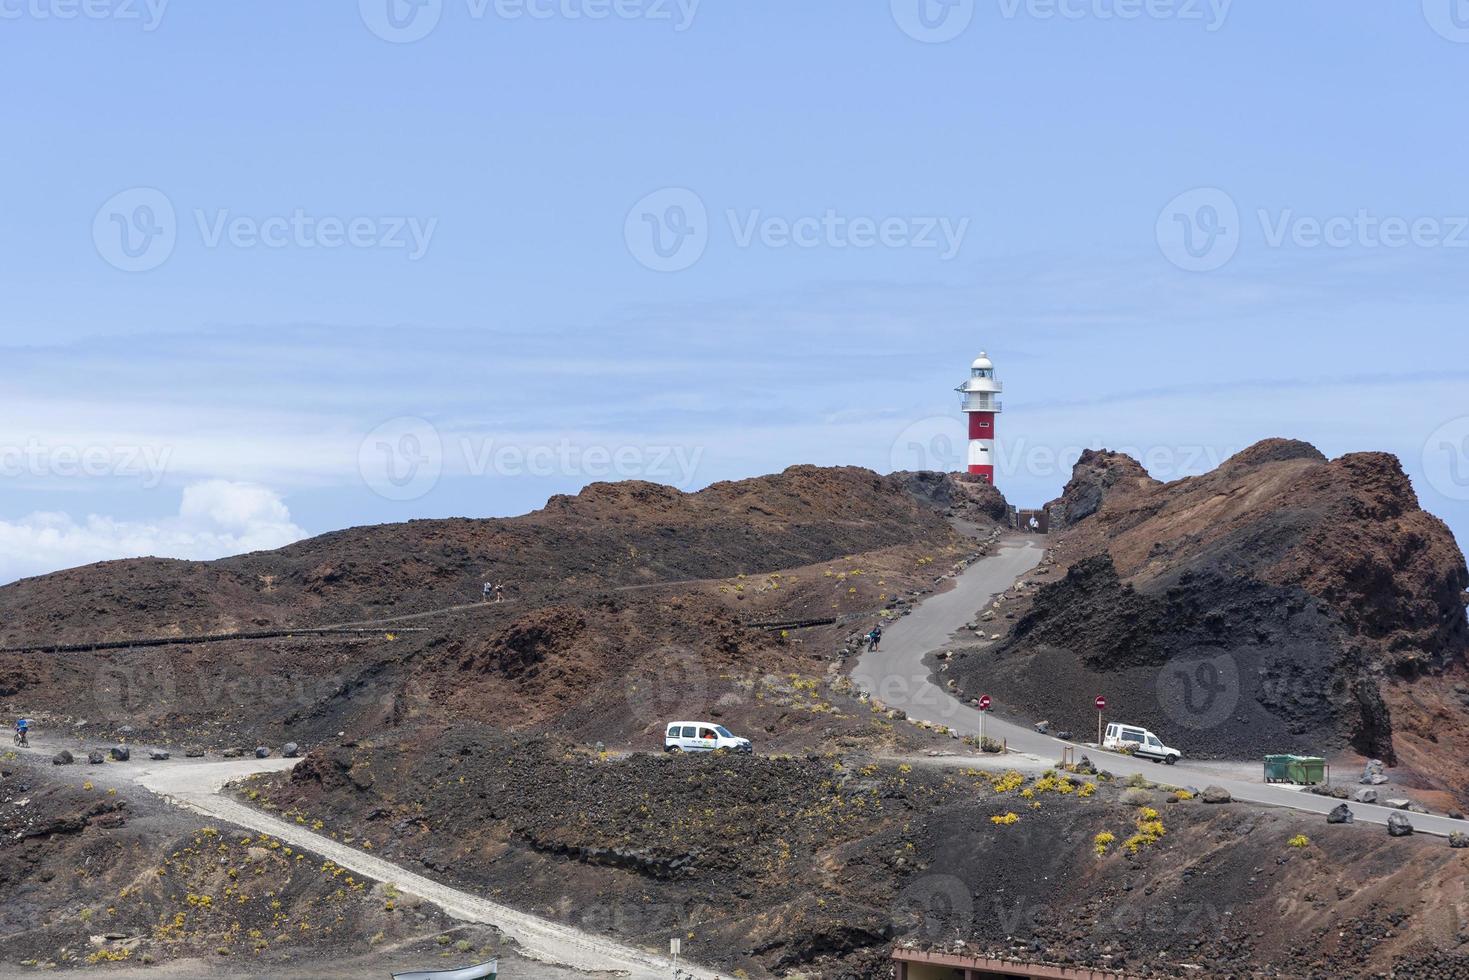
(610,535)
(625,596)
(1275,604)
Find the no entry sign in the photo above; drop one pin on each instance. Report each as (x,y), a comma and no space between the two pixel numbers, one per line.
(984,702)
(1101,703)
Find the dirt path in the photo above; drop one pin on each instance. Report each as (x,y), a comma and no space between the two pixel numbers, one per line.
(196,786)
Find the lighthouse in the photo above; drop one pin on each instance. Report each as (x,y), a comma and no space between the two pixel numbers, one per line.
(980,401)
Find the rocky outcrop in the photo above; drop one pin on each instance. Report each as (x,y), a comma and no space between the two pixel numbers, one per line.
(1266,606)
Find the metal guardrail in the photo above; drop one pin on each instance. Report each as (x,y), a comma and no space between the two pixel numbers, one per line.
(795,624)
(164,641)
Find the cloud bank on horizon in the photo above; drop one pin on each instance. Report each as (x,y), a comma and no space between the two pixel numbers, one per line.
(215,519)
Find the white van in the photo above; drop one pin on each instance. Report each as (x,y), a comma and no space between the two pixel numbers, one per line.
(702,736)
(1140,742)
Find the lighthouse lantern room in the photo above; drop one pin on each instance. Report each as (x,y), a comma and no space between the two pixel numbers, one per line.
(980,401)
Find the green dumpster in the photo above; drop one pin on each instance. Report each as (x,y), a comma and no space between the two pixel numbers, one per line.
(1277,768)
(1307,770)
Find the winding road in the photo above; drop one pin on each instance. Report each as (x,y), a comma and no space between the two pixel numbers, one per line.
(897,676)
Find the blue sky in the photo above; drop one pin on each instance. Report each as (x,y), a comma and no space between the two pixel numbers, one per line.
(272,268)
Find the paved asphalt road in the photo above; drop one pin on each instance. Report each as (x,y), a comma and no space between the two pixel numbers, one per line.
(896,676)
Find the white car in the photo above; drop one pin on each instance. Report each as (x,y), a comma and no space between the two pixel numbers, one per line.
(702,736)
(1140,742)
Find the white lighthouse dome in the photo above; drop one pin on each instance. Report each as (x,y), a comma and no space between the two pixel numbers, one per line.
(982,363)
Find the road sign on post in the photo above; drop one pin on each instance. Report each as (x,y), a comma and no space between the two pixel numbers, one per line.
(1101,704)
(984,705)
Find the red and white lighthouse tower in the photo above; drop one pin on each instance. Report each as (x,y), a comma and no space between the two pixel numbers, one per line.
(981,403)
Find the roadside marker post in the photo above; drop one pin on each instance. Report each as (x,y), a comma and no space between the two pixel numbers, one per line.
(1101,704)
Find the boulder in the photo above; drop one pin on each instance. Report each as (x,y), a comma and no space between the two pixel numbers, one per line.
(1376,779)
(62,758)
(1365,795)
(1216,794)
(1085,767)
(158,754)
(96,757)
(1374,768)
(1457,838)
(1341,814)
(120,753)
(261,752)
(290,750)
(194,752)
(1398,804)
(233,753)
(1398,826)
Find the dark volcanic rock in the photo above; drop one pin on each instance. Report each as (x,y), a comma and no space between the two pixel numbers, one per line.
(1340,814)
(1262,603)
(62,758)
(1399,825)
(121,753)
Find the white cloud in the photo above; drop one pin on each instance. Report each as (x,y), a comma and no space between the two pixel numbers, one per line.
(216,518)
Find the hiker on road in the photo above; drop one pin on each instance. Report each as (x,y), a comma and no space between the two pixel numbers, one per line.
(874,638)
